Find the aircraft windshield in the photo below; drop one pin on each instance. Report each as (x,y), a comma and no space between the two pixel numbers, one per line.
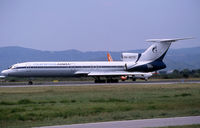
(11,67)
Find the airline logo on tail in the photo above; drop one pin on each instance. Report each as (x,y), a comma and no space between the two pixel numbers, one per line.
(154,50)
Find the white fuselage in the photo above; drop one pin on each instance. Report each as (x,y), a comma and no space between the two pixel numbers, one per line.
(34,69)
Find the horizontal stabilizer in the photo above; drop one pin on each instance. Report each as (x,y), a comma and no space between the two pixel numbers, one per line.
(167,40)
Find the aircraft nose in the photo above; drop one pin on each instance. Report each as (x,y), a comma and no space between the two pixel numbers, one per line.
(4,72)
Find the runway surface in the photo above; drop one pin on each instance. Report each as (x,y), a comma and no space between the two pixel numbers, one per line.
(91,83)
(158,122)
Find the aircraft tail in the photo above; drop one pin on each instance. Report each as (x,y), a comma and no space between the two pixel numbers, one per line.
(109,57)
(158,50)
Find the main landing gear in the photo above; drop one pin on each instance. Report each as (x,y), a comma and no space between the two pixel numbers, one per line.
(112,81)
(108,80)
(30,82)
(99,81)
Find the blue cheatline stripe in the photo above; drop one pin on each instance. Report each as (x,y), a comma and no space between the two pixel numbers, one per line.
(70,67)
(161,57)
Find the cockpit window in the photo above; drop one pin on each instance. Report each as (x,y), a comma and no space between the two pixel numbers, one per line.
(11,67)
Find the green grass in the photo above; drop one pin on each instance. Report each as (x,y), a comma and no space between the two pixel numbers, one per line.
(41,106)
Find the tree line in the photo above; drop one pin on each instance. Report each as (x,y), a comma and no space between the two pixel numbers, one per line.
(185,73)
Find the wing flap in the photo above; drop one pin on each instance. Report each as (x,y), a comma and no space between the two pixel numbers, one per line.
(81,73)
(117,73)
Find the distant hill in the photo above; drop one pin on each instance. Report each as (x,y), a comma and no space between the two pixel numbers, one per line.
(175,58)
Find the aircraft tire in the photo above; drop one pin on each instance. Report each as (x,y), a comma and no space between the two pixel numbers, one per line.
(30,83)
(112,80)
(99,81)
(108,81)
(134,79)
(116,81)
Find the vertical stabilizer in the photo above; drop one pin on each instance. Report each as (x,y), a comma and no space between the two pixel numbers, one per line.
(109,57)
(158,49)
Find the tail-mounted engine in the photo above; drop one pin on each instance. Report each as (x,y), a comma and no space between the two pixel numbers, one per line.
(133,57)
(129,65)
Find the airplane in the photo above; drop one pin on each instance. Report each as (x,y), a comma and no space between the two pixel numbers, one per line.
(109,57)
(136,75)
(148,61)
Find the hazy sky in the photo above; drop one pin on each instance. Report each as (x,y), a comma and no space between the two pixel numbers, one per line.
(91,25)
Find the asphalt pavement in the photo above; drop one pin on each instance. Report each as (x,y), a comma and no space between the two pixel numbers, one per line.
(145,123)
(90,83)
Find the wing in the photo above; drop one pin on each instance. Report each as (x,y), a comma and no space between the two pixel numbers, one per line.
(113,73)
